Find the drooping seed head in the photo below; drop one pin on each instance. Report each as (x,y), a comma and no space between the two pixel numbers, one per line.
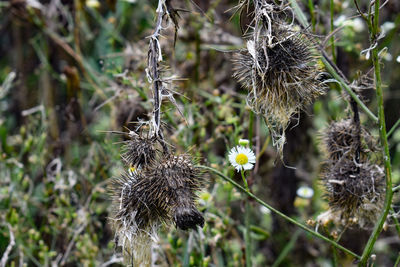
(357,191)
(281,74)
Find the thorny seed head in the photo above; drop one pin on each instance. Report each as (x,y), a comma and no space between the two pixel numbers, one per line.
(163,191)
(355,191)
(183,180)
(281,75)
(355,186)
(139,150)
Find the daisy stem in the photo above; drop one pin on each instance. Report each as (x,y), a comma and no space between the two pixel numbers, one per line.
(245,181)
(262,203)
(247,238)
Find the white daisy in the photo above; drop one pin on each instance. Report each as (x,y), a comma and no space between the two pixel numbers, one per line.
(305,192)
(242,158)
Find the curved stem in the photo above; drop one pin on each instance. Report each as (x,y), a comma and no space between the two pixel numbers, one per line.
(305,228)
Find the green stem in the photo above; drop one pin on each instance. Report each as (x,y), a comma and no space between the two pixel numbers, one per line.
(393,128)
(305,228)
(383,136)
(247,238)
(329,65)
(344,85)
(396,222)
(287,249)
(311,8)
(244,181)
(397,260)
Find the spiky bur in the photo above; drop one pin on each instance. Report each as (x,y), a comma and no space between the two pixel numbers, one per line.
(355,186)
(183,180)
(281,74)
(161,192)
(357,191)
(139,150)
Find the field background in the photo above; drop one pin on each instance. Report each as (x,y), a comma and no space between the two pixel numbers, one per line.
(72,70)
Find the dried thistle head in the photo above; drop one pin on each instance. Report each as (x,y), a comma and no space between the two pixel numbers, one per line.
(139,150)
(340,139)
(355,186)
(183,180)
(160,192)
(135,218)
(281,74)
(356,191)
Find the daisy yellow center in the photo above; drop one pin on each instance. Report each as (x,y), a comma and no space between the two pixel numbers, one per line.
(241,159)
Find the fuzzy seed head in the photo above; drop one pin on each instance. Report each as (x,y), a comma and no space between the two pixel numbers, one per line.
(157,193)
(357,191)
(282,76)
(183,180)
(340,139)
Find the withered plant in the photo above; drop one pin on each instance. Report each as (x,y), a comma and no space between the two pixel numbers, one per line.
(278,67)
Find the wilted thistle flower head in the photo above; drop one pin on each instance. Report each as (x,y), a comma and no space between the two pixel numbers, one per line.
(355,186)
(281,74)
(156,193)
(357,191)
(182,180)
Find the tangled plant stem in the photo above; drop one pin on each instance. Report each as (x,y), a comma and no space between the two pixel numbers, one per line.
(305,228)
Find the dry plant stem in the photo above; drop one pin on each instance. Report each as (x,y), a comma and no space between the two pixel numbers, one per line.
(383,136)
(305,228)
(330,65)
(7,252)
(154,55)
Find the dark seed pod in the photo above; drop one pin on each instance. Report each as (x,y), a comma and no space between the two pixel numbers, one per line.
(280,73)
(139,151)
(185,214)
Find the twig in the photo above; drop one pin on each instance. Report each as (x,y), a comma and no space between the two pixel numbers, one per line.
(305,228)
(72,243)
(114,259)
(11,244)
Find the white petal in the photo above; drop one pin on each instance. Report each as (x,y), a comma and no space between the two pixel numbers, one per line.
(248,166)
